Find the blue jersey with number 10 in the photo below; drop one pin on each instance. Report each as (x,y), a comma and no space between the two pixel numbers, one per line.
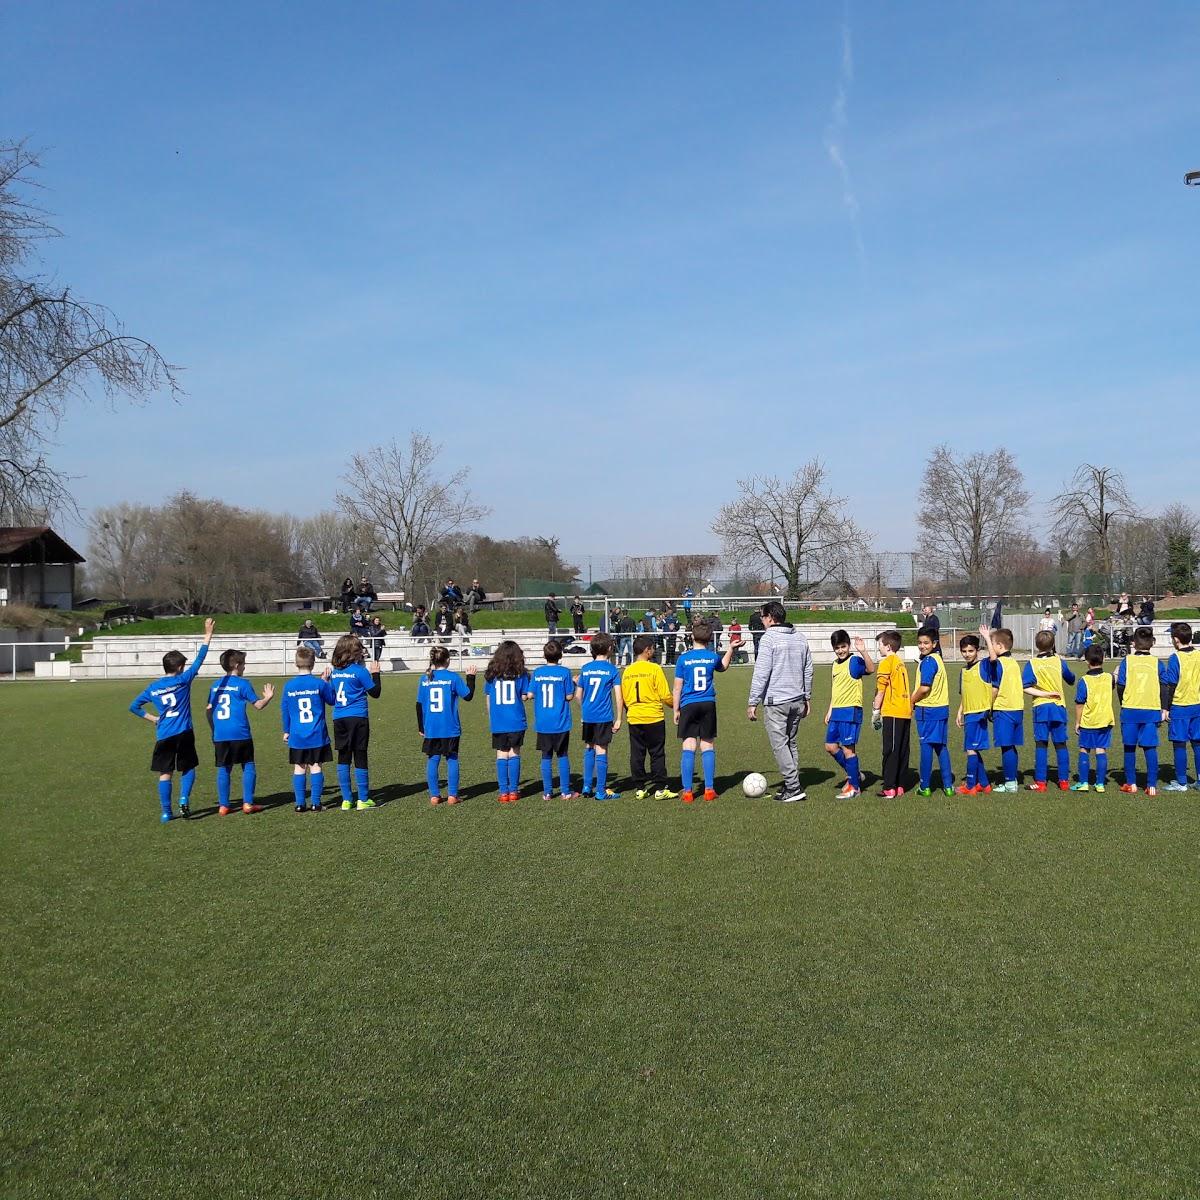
(597,681)
(698,670)
(302,710)
(506,704)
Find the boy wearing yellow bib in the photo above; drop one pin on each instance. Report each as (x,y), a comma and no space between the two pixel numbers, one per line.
(1181,687)
(1008,705)
(1139,685)
(974,710)
(1045,678)
(931,707)
(843,720)
(1093,720)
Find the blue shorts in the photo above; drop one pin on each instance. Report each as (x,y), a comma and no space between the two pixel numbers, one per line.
(1050,731)
(1095,739)
(1139,733)
(931,729)
(1184,725)
(1008,728)
(842,733)
(975,731)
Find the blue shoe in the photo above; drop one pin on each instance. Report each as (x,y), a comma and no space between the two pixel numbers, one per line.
(608,795)
(165,818)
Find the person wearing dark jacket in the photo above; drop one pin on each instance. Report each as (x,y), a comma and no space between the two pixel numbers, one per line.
(420,626)
(347,594)
(757,629)
(452,596)
(553,612)
(476,596)
(577,612)
(366,594)
(310,636)
(376,635)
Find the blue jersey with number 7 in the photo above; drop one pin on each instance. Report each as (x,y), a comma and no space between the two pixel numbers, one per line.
(596,683)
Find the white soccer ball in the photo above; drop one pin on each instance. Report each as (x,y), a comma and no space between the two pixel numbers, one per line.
(754,785)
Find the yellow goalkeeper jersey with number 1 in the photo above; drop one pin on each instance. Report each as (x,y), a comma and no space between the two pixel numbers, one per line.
(644,688)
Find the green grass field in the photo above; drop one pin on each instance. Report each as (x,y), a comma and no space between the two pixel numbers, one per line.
(983,997)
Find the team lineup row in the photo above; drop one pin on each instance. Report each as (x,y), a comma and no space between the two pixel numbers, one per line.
(991,707)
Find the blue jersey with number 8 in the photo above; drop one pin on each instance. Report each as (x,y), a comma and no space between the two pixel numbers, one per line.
(698,670)
(302,710)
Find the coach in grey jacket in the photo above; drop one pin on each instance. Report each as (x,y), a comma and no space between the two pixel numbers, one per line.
(782,682)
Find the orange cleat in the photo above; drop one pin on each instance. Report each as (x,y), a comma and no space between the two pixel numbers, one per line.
(1038,785)
(224,810)
(963,790)
(451,799)
(1130,789)
(688,797)
(435,800)
(710,794)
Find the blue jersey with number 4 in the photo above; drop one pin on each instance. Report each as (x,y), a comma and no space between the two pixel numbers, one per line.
(698,670)
(552,691)
(438,697)
(302,710)
(597,682)
(506,704)
(350,687)
(227,698)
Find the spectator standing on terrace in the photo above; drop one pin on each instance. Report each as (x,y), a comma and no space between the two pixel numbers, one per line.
(930,620)
(906,605)
(577,612)
(757,629)
(688,594)
(377,635)
(347,594)
(553,611)
(310,636)
(1074,631)
(626,628)
(670,624)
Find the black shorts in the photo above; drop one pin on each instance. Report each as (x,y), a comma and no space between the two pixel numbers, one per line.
(508,741)
(234,754)
(313,756)
(597,733)
(446,747)
(698,720)
(175,753)
(351,737)
(554,745)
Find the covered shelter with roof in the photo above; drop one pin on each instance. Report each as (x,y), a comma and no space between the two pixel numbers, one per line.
(37,567)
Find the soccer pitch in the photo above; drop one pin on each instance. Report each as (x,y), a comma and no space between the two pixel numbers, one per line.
(976,997)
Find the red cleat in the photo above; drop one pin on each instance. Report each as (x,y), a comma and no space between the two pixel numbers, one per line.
(1064,785)
(688,797)
(435,800)
(223,810)
(1038,785)
(252,808)
(963,790)
(983,790)
(1129,789)
(451,799)
(899,791)
(710,794)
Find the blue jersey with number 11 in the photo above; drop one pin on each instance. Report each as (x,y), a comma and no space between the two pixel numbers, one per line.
(506,704)
(552,691)
(698,670)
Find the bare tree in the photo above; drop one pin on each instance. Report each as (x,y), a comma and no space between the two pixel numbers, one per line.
(54,348)
(410,508)
(792,527)
(332,546)
(117,537)
(1083,513)
(967,508)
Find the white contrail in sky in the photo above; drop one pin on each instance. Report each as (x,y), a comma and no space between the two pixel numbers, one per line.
(835,136)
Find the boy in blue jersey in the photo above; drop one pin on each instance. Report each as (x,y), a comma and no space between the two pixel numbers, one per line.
(439,723)
(553,689)
(1181,688)
(232,741)
(843,719)
(600,708)
(694,699)
(1045,678)
(174,738)
(353,681)
(506,688)
(931,708)
(302,710)
(1140,679)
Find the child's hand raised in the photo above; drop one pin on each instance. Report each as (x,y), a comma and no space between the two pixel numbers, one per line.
(860,645)
(472,669)
(209,626)
(268,691)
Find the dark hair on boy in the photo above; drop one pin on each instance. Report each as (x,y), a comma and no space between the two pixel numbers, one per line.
(306,658)
(928,631)
(969,639)
(1004,637)
(552,651)
(642,644)
(602,646)
(702,632)
(775,611)
(507,663)
(839,637)
(348,649)
(173,662)
(1181,631)
(1043,642)
(1143,637)
(891,639)
(231,660)
(1094,655)
(439,660)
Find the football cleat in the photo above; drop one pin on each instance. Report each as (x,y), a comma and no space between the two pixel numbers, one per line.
(1130,789)
(688,796)
(1175,786)
(223,809)
(899,791)
(848,792)
(318,808)
(710,793)
(888,793)
(948,791)
(1083,787)
(184,810)
(252,808)
(641,793)
(666,794)
(1064,785)
(365,804)
(450,800)
(1098,788)
(347,805)
(1152,791)
(921,791)
(608,795)
(165,818)
(1038,785)
(964,790)
(301,808)
(433,800)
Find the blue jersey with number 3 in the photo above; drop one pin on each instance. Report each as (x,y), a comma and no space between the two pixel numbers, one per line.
(597,681)
(552,691)
(698,670)
(302,710)
(506,704)
(227,698)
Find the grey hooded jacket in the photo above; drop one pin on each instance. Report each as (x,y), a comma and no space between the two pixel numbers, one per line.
(783,668)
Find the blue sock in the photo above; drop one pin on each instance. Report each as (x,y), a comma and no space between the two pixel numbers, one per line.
(564,774)
(298,782)
(1085,767)
(839,757)
(164,795)
(1131,764)
(1008,758)
(1101,768)
(852,769)
(1151,766)
(981,775)
(344,781)
(432,766)
(687,768)
(452,775)
(514,774)
(316,785)
(547,775)
(1180,749)
(926,765)
(249,780)
(1041,762)
(708,760)
(1196,756)
(362,780)
(1063,756)
(224,775)
(944,763)
(972,770)
(502,775)
(601,774)
(589,767)
(187,781)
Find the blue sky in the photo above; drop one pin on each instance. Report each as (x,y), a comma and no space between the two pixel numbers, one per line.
(584,244)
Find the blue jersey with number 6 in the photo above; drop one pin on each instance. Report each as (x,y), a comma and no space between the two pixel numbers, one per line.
(506,704)
(698,670)
(302,710)
(552,691)
(438,697)
(596,683)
